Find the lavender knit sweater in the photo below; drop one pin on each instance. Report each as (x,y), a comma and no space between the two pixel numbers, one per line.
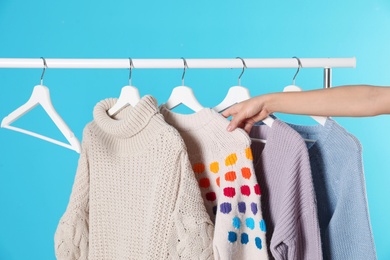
(283,171)
(336,162)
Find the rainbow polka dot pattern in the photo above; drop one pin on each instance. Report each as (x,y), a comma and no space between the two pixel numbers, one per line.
(250,224)
(231,191)
(222,162)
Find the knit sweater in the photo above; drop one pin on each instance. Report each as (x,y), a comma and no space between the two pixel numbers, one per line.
(223,165)
(134,195)
(337,168)
(282,168)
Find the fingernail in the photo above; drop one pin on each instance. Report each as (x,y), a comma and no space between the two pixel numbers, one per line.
(229,128)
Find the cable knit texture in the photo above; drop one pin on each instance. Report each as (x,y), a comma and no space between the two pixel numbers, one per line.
(135,195)
(282,168)
(223,165)
(337,168)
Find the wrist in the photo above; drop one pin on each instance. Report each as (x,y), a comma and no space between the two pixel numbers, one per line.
(270,102)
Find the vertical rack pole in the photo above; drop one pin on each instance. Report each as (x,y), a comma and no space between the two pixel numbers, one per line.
(327,77)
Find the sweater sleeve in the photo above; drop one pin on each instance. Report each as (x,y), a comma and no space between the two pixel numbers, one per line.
(296,233)
(193,230)
(71,237)
(348,233)
(239,225)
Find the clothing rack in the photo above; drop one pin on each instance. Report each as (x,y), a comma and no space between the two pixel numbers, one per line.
(326,63)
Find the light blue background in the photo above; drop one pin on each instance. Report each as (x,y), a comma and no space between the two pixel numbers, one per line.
(36,176)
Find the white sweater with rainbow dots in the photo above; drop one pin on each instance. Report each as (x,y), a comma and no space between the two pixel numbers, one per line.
(223,165)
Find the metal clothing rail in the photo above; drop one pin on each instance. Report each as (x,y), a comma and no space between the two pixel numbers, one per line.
(177,63)
(326,63)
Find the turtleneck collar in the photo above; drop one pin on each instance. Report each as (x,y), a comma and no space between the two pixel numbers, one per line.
(129,121)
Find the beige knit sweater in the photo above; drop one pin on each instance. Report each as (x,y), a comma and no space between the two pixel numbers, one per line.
(134,195)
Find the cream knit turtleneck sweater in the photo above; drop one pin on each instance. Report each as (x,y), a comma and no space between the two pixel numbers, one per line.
(135,195)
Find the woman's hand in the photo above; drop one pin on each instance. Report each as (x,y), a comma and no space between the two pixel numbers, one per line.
(245,114)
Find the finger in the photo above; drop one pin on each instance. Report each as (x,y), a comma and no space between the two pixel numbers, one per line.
(248,126)
(226,113)
(241,125)
(258,117)
(229,112)
(236,121)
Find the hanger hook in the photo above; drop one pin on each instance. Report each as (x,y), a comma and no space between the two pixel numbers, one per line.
(243,69)
(44,69)
(299,67)
(184,71)
(131,70)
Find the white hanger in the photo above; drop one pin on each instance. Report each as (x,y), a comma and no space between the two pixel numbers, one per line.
(293,87)
(237,94)
(183,95)
(41,95)
(129,96)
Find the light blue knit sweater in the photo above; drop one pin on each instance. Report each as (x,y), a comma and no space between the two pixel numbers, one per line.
(337,168)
